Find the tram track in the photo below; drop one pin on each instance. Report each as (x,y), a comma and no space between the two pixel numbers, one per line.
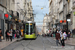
(44,48)
(24,46)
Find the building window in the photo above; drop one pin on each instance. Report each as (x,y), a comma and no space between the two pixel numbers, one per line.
(13,0)
(17,14)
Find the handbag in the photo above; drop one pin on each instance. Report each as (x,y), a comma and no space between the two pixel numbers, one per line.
(8,34)
(15,35)
(1,37)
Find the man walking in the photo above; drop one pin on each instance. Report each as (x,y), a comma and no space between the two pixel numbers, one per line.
(57,38)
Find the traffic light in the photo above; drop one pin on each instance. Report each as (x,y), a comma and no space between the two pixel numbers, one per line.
(6,16)
(61,21)
(64,21)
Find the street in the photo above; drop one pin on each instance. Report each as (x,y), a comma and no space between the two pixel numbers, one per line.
(41,43)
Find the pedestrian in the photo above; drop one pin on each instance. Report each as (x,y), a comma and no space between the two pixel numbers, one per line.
(10,34)
(68,35)
(62,40)
(0,35)
(20,33)
(13,31)
(60,33)
(7,35)
(65,35)
(17,33)
(57,38)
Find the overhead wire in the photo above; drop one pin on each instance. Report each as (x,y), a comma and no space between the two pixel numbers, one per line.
(44,6)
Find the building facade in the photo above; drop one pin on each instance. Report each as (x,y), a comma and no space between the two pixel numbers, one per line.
(62,13)
(13,13)
(29,11)
(46,22)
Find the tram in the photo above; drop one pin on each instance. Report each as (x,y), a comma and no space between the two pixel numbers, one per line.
(30,30)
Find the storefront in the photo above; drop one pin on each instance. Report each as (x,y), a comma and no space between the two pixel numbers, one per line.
(2,21)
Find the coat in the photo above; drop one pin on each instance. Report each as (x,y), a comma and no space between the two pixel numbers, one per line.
(57,36)
(1,34)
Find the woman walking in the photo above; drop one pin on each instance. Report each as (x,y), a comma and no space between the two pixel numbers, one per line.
(63,38)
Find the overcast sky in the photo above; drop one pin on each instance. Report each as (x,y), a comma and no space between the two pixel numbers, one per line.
(40,13)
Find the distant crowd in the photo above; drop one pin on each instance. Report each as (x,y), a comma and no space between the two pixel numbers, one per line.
(60,35)
(10,34)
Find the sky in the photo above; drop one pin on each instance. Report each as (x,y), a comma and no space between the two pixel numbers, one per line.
(40,13)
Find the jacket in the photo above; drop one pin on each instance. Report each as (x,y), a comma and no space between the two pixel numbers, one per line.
(57,36)
(1,34)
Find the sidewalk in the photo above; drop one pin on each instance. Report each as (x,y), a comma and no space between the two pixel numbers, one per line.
(70,42)
(5,43)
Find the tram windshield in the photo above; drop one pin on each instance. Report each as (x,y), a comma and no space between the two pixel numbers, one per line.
(31,29)
(27,28)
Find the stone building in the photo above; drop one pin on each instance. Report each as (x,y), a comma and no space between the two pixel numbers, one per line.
(62,10)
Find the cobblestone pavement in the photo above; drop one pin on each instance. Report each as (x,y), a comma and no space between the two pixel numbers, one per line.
(41,43)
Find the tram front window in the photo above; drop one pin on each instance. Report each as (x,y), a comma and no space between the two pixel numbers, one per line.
(27,28)
(31,29)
